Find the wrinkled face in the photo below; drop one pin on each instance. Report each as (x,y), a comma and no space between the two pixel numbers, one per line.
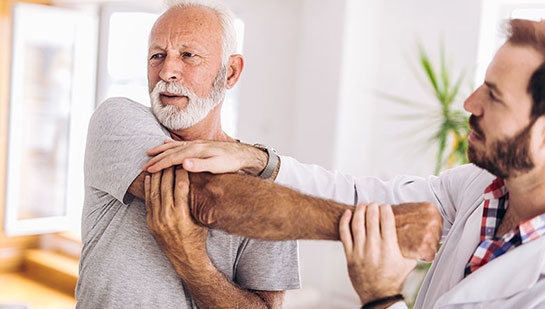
(501,136)
(185,74)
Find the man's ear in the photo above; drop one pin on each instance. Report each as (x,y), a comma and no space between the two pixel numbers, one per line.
(234,69)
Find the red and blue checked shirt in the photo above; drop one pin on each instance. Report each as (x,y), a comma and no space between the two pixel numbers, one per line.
(496,200)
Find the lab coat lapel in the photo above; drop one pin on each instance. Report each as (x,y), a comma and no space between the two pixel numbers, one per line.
(502,277)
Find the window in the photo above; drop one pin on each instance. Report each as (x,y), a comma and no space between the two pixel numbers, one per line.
(52,96)
(494,14)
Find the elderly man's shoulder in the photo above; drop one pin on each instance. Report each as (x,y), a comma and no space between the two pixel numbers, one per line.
(119,106)
(118,110)
(122,116)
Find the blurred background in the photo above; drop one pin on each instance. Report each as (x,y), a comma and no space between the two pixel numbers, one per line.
(357,86)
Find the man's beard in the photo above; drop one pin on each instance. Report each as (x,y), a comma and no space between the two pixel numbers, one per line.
(197,108)
(509,157)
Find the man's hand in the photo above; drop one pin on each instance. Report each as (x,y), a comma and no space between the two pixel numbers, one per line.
(419,227)
(170,222)
(376,266)
(207,156)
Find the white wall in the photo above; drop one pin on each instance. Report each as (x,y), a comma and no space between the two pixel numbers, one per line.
(389,146)
(313,68)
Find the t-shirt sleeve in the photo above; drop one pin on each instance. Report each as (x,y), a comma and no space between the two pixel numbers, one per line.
(268,265)
(120,132)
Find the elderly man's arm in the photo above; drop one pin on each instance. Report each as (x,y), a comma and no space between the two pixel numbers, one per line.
(184,243)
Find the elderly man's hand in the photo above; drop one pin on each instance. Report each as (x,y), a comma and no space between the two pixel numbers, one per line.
(419,227)
(170,222)
(207,156)
(376,266)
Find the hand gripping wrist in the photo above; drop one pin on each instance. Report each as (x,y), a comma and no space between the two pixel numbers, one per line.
(272,161)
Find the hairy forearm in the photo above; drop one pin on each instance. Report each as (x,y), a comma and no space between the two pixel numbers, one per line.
(251,207)
(211,289)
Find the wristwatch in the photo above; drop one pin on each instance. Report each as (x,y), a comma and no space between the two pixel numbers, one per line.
(272,161)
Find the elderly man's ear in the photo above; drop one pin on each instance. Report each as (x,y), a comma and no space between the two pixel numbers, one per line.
(234,69)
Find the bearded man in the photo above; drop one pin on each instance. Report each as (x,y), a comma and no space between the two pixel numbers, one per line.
(493,211)
(191,63)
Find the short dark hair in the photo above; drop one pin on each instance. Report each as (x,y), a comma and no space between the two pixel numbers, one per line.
(523,32)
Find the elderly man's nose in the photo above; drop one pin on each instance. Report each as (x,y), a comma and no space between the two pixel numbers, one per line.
(171,70)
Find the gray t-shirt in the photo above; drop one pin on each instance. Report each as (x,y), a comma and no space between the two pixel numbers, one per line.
(121,265)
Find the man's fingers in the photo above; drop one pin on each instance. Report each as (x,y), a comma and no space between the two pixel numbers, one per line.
(161,161)
(358,227)
(161,148)
(147,194)
(372,224)
(167,186)
(181,188)
(214,165)
(155,194)
(345,233)
(387,224)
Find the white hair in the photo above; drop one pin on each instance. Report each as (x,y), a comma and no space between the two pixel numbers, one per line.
(226,16)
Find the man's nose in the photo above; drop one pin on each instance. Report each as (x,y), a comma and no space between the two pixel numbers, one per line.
(474,103)
(171,70)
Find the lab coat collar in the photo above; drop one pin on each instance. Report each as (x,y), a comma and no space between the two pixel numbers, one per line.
(506,275)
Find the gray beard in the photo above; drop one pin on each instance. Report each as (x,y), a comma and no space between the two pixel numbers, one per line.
(197,108)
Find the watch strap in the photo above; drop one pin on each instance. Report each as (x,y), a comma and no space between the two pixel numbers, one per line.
(272,161)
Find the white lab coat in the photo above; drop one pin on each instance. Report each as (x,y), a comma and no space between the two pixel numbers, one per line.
(514,280)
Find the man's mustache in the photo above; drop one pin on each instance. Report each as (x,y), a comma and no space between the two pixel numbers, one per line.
(474,124)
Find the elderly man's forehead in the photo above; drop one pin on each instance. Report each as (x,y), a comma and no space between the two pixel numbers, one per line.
(197,17)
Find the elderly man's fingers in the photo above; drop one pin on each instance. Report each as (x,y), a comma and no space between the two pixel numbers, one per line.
(155,195)
(147,194)
(372,225)
(359,233)
(167,191)
(345,233)
(181,191)
(387,224)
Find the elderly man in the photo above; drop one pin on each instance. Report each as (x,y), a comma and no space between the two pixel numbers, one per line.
(493,252)
(191,63)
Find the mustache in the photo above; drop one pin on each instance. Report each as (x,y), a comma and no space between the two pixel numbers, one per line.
(172,87)
(474,124)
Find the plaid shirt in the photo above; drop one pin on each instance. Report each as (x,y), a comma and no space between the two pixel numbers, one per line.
(496,200)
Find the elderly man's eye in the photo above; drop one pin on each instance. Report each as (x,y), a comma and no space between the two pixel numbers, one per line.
(156,56)
(188,55)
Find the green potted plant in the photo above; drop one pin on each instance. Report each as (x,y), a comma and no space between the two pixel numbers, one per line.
(451,134)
